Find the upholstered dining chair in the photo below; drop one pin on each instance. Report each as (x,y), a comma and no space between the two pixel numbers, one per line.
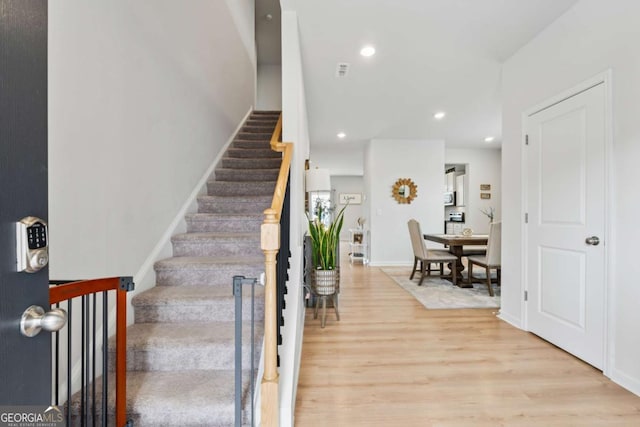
(491,260)
(425,257)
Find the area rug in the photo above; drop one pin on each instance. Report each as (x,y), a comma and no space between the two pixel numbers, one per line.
(436,293)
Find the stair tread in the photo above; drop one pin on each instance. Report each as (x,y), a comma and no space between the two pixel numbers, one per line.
(217,235)
(243,182)
(249,170)
(205,262)
(204,216)
(186,334)
(185,398)
(240,198)
(193,295)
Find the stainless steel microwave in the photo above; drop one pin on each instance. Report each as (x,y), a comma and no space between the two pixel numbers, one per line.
(449,198)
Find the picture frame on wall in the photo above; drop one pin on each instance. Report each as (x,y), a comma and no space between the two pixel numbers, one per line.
(350,198)
(485,195)
(485,187)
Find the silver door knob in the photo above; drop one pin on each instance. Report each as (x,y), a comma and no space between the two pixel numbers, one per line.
(593,240)
(34,319)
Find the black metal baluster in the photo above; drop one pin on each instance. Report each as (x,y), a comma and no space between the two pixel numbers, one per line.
(105,356)
(93,364)
(82,359)
(56,380)
(87,355)
(69,329)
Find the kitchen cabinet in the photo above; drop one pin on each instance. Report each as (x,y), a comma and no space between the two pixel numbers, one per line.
(460,181)
(449,181)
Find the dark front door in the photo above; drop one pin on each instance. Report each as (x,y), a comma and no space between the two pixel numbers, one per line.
(25,363)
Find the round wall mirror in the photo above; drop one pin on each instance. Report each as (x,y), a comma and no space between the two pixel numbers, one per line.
(404,190)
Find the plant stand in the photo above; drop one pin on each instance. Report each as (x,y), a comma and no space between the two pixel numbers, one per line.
(325,284)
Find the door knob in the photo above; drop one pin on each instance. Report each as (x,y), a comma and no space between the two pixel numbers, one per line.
(593,240)
(34,319)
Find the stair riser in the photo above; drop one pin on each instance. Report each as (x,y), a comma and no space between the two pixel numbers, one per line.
(251,145)
(246,153)
(254,136)
(246,175)
(216,356)
(273,114)
(270,121)
(142,411)
(247,163)
(222,225)
(219,310)
(217,249)
(218,188)
(231,207)
(258,128)
(222,276)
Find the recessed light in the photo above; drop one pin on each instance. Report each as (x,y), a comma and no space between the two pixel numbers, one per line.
(489,139)
(368,51)
(341,135)
(439,115)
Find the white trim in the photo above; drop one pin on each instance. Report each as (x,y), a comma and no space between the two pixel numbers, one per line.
(190,205)
(524,282)
(512,320)
(605,78)
(609,215)
(624,380)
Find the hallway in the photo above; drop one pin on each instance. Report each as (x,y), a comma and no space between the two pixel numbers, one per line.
(391,362)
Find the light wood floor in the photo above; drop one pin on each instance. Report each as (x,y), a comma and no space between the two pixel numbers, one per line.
(391,362)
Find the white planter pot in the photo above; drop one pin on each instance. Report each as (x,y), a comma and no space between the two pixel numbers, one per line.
(325,282)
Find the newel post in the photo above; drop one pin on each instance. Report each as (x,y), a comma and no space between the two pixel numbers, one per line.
(270,244)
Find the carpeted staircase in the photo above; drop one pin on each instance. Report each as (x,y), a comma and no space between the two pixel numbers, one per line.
(180,353)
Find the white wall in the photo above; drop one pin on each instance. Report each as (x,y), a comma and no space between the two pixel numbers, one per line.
(269,87)
(386,162)
(348,184)
(483,167)
(142,96)
(588,39)
(243,13)
(295,129)
(340,159)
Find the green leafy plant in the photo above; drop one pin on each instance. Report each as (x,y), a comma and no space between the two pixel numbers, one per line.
(324,241)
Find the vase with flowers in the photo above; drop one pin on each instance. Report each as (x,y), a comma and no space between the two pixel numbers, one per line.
(489,212)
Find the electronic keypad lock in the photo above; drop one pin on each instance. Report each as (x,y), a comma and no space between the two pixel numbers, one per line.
(32,244)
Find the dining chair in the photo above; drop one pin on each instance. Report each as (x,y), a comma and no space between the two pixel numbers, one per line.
(491,260)
(426,257)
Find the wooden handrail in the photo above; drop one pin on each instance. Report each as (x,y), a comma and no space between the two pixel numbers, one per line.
(281,184)
(270,244)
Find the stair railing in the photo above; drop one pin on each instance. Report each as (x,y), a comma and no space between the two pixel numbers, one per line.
(270,236)
(91,297)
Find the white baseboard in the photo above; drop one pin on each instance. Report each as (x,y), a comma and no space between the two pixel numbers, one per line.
(512,320)
(626,381)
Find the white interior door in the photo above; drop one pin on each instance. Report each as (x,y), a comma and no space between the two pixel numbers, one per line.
(566,193)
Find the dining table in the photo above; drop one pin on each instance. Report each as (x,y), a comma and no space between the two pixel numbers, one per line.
(456,243)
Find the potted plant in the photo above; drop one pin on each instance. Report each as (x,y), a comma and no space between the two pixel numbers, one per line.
(324,253)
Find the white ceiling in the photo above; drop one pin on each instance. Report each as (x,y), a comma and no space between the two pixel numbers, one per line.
(431,55)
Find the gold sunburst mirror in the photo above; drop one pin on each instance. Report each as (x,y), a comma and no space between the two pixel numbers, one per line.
(404,190)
